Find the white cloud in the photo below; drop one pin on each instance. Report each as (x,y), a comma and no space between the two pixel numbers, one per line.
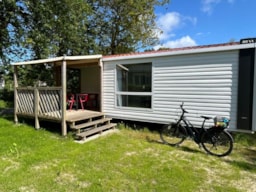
(167,23)
(185,41)
(170,22)
(208,5)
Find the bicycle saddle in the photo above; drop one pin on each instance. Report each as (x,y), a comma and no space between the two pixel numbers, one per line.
(206,117)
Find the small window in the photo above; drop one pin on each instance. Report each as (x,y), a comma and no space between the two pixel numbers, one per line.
(134,85)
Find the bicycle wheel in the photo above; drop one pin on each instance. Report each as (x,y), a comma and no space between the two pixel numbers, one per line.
(217,142)
(173,134)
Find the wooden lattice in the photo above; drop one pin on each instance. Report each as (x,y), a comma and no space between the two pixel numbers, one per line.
(44,102)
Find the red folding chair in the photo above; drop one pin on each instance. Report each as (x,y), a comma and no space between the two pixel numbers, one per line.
(83,98)
(70,100)
(92,101)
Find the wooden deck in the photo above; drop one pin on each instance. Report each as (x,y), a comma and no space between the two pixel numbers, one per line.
(84,123)
(77,115)
(46,103)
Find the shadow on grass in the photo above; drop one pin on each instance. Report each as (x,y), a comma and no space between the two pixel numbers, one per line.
(191,150)
(247,166)
(249,163)
(157,141)
(53,127)
(180,147)
(7,113)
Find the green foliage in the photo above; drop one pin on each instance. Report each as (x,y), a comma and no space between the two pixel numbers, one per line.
(74,27)
(11,29)
(125,26)
(246,139)
(36,29)
(56,28)
(3,104)
(6,98)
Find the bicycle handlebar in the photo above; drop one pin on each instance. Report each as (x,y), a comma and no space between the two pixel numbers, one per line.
(183,110)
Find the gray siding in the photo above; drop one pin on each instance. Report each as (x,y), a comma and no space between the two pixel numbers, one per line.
(90,79)
(205,82)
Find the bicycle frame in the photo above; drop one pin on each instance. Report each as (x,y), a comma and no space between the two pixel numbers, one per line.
(192,132)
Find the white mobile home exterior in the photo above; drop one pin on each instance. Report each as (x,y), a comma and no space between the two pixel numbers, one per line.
(205,78)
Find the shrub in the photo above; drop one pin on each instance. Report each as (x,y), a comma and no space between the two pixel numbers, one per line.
(3,104)
(6,98)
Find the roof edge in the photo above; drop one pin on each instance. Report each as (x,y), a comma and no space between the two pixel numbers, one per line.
(180,51)
(56,59)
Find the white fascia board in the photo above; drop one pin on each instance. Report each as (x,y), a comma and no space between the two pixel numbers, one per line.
(56,59)
(82,57)
(180,52)
(39,61)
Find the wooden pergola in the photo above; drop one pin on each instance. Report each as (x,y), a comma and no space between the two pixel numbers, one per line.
(49,103)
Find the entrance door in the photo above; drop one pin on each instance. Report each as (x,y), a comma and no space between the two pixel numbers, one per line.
(245,88)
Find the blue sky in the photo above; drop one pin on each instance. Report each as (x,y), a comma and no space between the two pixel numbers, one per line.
(203,22)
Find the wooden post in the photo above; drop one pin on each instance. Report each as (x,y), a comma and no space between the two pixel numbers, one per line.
(15,82)
(36,107)
(100,98)
(63,98)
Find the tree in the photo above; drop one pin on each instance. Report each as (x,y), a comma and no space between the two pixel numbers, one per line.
(11,31)
(124,25)
(46,28)
(56,28)
(75,27)
(11,28)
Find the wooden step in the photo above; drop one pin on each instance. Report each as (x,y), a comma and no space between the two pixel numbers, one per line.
(90,123)
(95,130)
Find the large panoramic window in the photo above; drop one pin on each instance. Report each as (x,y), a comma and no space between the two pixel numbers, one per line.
(134,85)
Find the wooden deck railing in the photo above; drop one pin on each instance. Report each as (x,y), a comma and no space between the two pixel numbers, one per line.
(40,102)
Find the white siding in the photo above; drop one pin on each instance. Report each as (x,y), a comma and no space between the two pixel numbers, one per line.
(206,83)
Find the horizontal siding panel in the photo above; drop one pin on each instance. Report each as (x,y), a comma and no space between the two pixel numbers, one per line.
(176,78)
(184,96)
(195,89)
(196,81)
(172,74)
(159,101)
(166,84)
(199,104)
(108,89)
(199,94)
(191,67)
(197,68)
(203,58)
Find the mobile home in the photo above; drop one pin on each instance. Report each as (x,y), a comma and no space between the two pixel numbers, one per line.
(214,80)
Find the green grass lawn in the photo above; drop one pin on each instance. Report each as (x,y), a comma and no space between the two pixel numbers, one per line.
(127,160)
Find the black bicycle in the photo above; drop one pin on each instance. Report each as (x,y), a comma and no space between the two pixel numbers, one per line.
(215,140)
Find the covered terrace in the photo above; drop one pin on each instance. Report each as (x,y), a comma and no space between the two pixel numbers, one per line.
(49,103)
